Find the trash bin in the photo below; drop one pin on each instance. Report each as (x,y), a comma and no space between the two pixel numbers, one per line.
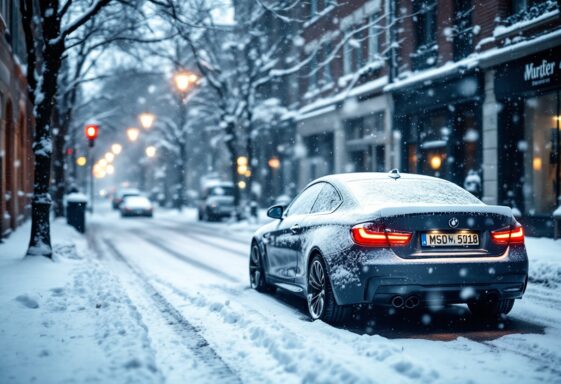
(557,222)
(76,211)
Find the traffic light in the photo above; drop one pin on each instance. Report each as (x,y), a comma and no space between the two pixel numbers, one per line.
(91,133)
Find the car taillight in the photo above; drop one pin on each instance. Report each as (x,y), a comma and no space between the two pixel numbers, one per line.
(508,236)
(369,235)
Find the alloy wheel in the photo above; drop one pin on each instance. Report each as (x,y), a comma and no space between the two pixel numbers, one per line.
(316,289)
(254,268)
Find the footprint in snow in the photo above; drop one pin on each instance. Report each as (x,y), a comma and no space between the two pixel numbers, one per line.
(28,301)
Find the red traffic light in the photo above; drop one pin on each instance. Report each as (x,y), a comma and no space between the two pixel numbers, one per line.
(91,131)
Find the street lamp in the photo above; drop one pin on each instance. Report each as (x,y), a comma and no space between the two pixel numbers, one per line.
(184,79)
(150,151)
(133,133)
(116,148)
(81,161)
(109,156)
(146,120)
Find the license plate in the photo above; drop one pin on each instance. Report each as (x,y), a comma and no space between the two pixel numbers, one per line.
(449,239)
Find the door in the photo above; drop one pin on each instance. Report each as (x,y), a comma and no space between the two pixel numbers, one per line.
(284,242)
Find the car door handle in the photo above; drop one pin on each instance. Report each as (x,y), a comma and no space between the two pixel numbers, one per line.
(295,229)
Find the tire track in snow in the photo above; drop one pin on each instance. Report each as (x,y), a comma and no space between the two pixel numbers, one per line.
(201,238)
(218,370)
(181,256)
(211,231)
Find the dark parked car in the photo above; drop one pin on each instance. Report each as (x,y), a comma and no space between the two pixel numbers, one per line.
(217,201)
(391,240)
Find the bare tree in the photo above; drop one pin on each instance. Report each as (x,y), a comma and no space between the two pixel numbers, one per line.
(48,25)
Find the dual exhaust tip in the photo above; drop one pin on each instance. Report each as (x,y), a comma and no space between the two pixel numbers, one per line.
(409,302)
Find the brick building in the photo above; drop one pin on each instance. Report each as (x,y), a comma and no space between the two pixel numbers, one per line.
(466,90)
(344,117)
(16,160)
(477,99)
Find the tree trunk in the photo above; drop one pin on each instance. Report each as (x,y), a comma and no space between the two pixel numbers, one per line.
(231,145)
(58,163)
(40,240)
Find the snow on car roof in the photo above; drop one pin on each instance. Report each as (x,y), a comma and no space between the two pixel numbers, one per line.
(354,176)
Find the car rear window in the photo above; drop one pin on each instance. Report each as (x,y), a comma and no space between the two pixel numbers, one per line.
(221,191)
(409,191)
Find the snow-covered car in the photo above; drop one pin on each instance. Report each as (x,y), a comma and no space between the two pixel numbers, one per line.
(393,240)
(121,194)
(136,206)
(217,201)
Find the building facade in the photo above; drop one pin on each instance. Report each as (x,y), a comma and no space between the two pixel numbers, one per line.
(465,90)
(16,159)
(344,117)
(477,100)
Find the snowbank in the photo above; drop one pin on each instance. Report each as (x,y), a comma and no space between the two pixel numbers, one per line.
(544,261)
(67,319)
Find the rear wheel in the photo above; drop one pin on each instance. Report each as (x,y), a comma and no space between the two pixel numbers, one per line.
(257,278)
(491,308)
(321,301)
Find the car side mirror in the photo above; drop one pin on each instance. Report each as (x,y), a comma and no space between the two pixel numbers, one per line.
(275,212)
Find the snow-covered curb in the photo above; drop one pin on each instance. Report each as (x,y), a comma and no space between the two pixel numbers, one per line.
(68,318)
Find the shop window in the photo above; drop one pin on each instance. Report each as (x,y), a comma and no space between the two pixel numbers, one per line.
(541,159)
(380,158)
(463,29)
(361,160)
(355,129)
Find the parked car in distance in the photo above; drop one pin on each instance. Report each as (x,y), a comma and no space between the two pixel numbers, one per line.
(217,201)
(401,241)
(121,194)
(136,206)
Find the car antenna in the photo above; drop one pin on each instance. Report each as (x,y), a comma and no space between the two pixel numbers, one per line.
(394,174)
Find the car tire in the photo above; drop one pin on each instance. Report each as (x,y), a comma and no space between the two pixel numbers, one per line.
(257,277)
(490,308)
(321,300)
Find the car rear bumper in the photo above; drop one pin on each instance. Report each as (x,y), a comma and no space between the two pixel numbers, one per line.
(451,280)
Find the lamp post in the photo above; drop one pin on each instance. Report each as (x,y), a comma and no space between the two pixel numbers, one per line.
(92,130)
(183,81)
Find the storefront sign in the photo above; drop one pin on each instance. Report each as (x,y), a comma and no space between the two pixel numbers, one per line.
(535,73)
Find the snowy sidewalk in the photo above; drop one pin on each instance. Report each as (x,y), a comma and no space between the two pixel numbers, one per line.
(68,319)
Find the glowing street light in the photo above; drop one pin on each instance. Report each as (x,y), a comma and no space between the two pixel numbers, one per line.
(109,156)
(133,133)
(81,161)
(150,151)
(436,162)
(184,79)
(110,169)
(147,120)
(274,163)
(102,163)
(116,148)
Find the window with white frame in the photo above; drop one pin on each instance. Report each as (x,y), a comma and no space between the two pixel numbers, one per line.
(347,57)
(373,38)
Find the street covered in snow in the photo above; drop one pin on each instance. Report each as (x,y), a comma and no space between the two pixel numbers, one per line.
(280,191)
(168,300)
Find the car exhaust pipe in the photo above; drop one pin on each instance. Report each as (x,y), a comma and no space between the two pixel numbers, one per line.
(412,302)
(397,301)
